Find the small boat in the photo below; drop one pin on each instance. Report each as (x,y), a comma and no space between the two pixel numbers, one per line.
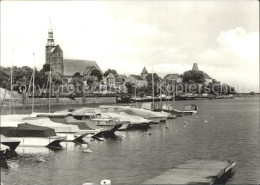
(190,109)
(155,108)
(137,122)
(128,121)
(171,110)
(85,113)
(154,117)
(107,126)
(95,125)
(9,142)
(31,135)
(70,132)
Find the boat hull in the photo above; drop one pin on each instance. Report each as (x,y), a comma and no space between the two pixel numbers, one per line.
(52,142)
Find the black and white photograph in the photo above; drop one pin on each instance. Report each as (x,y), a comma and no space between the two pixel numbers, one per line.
(129,92)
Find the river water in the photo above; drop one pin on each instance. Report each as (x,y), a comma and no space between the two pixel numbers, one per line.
(223,130)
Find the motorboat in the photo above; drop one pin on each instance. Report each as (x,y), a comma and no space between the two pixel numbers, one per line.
(190,109)
(105,127)
(170,109)
(85,113)
(154,117)
(128,121)
(108,125)
(31,135)
(155,107)
(12,143)
(137,122)
(71,132)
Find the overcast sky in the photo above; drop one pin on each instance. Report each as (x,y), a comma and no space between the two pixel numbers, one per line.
(221,36)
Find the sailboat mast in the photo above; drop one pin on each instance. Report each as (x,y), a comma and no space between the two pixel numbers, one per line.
(11,78)
(160,95)
(153,87)
(173,93)
(33,82)
(50,92)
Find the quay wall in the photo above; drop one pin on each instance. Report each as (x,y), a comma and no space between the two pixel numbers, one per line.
(62,101)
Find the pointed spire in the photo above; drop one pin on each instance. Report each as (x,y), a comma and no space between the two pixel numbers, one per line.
(50,40)
(50,29)
(144,71)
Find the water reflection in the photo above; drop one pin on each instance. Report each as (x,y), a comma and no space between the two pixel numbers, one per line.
(3,164)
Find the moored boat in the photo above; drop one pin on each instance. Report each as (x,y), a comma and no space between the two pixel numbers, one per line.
(190,109)
(31,135)
(128,121)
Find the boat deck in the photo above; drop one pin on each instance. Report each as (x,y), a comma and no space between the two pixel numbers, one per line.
(194,172)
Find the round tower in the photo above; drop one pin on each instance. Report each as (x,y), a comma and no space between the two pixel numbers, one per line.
(195,67)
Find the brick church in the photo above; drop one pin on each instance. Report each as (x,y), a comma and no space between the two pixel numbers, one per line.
(66,67)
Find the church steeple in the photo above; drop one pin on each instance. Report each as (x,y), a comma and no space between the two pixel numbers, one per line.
(50,40)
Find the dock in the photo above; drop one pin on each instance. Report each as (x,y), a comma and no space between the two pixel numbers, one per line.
(194,172)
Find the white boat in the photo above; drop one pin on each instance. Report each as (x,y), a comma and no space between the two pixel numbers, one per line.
(128,121)
(155,108)
(70,132)
(101,127)
(155,117)
(190,109)
(107,125)
(31,135)
(85,112)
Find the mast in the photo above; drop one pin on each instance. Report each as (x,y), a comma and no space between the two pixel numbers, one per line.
(166,87)
(153,87)
(50,92)
(173,93)
(160,95)
(135,94)
(33,82)
(11,98)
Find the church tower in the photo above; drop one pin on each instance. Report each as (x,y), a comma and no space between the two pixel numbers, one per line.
(144,73)
(195,67)
(53,53)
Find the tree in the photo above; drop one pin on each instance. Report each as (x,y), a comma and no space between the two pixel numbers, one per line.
(111,71)
(194,77)
(77,74)
(156,82)
(89,79)
(97,74)
(4,80)
(130,87)
(46,68)
(77,81)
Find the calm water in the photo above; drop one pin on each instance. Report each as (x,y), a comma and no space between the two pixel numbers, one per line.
(223,129)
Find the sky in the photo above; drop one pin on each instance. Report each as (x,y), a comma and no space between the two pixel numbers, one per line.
(165,36)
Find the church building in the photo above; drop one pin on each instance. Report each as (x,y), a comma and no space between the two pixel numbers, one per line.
(66,67)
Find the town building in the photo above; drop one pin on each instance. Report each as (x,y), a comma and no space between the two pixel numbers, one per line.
(67,67)
(144,73)
(111,80)
(169,78)
(137,80)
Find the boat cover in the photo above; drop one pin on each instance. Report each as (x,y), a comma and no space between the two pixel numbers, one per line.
(27,130)
(46,122)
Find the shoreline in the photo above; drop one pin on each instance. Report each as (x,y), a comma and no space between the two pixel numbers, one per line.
(17,102)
